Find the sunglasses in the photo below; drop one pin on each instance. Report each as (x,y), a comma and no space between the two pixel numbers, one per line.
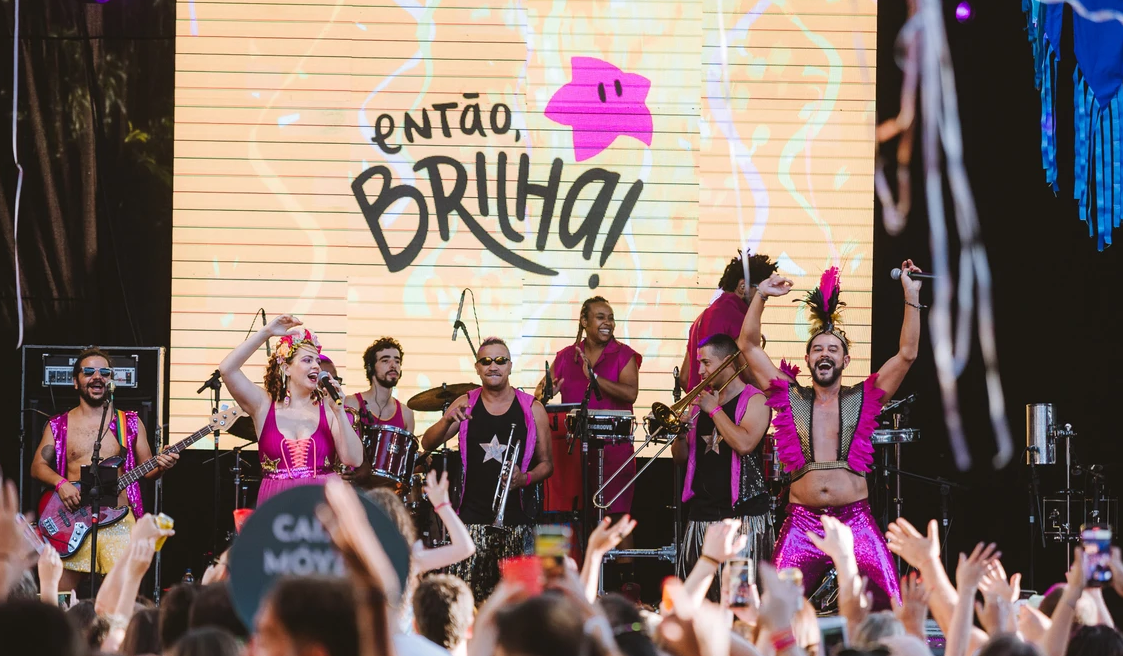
(104,371)
(501,360)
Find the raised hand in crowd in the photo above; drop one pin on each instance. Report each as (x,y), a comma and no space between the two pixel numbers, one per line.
(912,612)
(722,541)
(485,630)
(217,571)
(604,538)
(50,573)
(128,572)
(968,574)
(692,626)
(1056,636)
(996,613)
(854,603)
(781,601)
(460,546)
(15,554)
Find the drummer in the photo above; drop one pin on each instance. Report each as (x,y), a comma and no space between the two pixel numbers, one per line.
(377,406)
(615,366)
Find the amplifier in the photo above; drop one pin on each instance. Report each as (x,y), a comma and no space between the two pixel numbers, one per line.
(58,369)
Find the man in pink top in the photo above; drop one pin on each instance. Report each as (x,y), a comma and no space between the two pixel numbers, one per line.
(377,406)
(726,313)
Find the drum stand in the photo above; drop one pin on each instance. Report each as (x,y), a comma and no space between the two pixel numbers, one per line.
(946,487)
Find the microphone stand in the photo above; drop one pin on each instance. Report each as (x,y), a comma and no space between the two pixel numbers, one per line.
(214,383)
(459,325)
(946,488)
(95,495)
(582,433)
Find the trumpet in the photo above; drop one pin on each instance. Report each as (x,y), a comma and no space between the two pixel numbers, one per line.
(665,419)
(503,485)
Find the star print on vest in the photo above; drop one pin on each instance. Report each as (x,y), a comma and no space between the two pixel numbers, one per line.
(713,442)
(494,450)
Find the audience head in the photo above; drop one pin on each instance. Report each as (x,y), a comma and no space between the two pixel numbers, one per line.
(545,625)
(1085,614)
(1008,645)
(874,628)
(443,610)
(391,504)
(209,641)
(174,611)
(1099,640)
(143,634)
(25,588)
(55,634)
(92,628)
(628,625)
(213,607)
(312,615)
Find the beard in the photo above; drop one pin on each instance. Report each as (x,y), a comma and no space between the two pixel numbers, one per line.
(828,377)
(93,401)
(387,384)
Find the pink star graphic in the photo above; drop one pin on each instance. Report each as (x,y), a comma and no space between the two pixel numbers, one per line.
(601,103)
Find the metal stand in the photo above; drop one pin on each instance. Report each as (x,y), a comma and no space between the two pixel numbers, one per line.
(945,488)
(214,383)
(95,491)
(459,325)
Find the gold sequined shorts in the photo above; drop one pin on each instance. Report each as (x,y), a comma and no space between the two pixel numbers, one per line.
(112,542)
(481,571)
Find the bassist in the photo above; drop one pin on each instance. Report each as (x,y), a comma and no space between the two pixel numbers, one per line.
(68,444)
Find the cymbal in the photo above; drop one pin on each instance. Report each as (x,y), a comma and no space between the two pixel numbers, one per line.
(434,400)
(243,428)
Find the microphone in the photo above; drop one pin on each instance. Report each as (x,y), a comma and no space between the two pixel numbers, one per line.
(677,393)
(548,388)
(595,384)
(323,380)
(112,388)
(459,311)
(895,274)
(265,322)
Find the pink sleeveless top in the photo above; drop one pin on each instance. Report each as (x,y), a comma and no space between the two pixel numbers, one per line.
(287,463)
(369,419)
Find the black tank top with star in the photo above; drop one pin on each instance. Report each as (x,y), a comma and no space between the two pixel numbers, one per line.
(486,440)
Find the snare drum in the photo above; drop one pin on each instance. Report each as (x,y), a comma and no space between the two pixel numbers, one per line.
(391,452)
(895,436)
(612,426)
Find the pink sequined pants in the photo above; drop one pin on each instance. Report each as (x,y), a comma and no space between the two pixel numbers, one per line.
(793,549)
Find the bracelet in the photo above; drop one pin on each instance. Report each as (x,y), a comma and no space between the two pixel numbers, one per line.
(442,505)
(715,561)
(715,411)
(60,484)
(783,640)
(916,305)
(762,295)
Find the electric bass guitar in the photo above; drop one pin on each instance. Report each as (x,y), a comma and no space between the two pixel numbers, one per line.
(66,530)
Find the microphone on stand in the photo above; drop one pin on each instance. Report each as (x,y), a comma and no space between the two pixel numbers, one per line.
(324,381)
(595,384)
(895,274)
(112,388)
(677,393)
(459,311)
(265,322)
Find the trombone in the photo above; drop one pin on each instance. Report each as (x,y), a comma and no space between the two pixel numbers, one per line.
(666,419)
(503,487)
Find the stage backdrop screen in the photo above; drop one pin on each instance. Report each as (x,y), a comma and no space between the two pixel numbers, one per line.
(359,164)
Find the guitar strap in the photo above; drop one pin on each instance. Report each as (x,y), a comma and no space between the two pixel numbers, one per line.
(122,438)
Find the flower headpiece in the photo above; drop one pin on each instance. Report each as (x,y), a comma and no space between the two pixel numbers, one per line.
(289,343)
(825,307)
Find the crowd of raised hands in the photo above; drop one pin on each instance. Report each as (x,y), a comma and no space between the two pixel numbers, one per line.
(980,612)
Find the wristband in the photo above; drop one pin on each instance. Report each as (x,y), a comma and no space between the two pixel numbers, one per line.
(762,296)
(715,561)
(442,505)
(783,640)
(60,484)
(714,411)
(916,305)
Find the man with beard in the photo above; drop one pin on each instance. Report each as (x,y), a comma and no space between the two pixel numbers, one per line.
(377,406)
(68,444)
(823,434)
(487,421)
(725,313)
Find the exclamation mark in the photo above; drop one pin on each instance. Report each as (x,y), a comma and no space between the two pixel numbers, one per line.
(617,228)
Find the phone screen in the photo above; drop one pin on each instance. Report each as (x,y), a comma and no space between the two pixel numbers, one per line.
(738,575)
(832,635)
(1097,554)
(552,543)
(65,600)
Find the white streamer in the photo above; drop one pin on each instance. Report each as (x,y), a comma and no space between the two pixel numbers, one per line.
(19,173)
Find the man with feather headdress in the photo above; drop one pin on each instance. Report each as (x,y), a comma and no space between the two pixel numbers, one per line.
(823,435)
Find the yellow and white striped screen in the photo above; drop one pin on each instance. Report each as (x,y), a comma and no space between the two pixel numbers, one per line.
(358,164)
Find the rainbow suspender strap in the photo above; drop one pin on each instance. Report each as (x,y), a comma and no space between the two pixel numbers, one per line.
(121,430)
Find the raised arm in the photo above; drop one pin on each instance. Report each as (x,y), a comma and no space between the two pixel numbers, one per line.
(891,374)
(460,545)
(251,397)
(443,430)
(760,366)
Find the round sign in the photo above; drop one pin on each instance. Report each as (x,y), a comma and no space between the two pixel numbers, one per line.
(283,537)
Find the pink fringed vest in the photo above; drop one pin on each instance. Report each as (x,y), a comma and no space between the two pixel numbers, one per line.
(858,407)
(526,401)
(735,486)
(59,425)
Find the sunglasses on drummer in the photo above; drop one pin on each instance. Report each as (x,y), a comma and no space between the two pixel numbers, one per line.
(501,360)
(104,371)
